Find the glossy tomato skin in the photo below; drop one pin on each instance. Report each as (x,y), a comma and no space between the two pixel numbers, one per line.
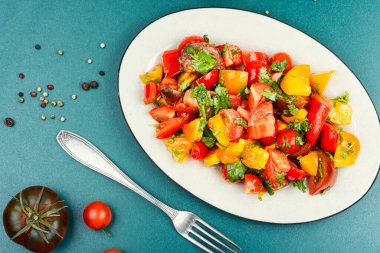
(255,97)
(235,101)
(199,150)
(329,138)
(279,57)
(232,55)
(234,130)
(14,219)
(209,80)
(286,140)
(167,128)
(261,122)
(162,113)
(150,93)
(253,69)
(329,174)
(295,174)
(303,150)
(188,40)
(253,184)
(97,215)
(171,62)
(112,251)
(250,56)
(266,141)
(271,174)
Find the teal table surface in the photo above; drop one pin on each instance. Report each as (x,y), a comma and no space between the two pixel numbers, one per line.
(29,153)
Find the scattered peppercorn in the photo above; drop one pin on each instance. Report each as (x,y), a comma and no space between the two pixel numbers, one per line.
(43,105)
(53,103)
(102,45)
(33,94)
(43,117)
(63,119)
(42,98)
(60,103)
(94,84)
(52,116)
(266,12)
(89,61)
(21,76)
(101,73)
(37,46)
(20,100)
(46,101)
(20,94)
(85,86)
(9,122)
(45,94)
(73,97)
(39,89)
(60,52)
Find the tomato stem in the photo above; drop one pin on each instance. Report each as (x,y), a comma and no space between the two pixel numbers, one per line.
(106,233)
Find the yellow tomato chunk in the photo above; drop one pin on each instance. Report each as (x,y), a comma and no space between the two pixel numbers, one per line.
(347,151)
(309,163)
(319,81)
(155,75)
(340,114)
(219,130)
(231,153)
(253,156)
(297,81)
(179,147)
(211,158)
(301,115)
(234,80)
(193,130)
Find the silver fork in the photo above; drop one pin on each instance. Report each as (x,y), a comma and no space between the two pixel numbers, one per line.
(187,224)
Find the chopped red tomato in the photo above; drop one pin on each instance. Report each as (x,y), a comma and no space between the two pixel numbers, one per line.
(199,150)
(150,93)
(188,40)
(329,138)
(235,101)
(253,69)
(162,113)
(243,113)
(255,97)
(294,173)
(209,80)
(261,122)
(250,56)
(266,141)
(275,177)
(287,141)
(170,60)
(326,175)
(279,159)
(234,130)
(190,101)
(231,55)
(279,57)
(253,184)
(169,127)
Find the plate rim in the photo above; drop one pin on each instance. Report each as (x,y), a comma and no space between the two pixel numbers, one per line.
(290,26)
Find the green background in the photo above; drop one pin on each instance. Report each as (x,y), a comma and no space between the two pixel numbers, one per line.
(29,154)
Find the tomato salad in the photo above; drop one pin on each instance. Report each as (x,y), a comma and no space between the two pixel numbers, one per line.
(263,120)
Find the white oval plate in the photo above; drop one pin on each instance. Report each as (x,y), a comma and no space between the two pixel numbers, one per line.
(251,32)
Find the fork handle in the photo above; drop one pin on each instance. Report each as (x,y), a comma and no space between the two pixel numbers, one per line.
(87,154)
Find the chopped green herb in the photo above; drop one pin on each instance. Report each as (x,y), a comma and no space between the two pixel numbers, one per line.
(269,95)
(205,37)
(221,78)
(293,110)
(301,126)
(343,99)
(279,66)
(220,146)
(323,192)
(203,97)
(243,92)
(286,144)
(280,177)
(184,85)
(300,184)
(241,122)
(171,140)
(260,195)
(208,138)
(221,99)
(223,52)
(202,125)
(177,153)
(299,141)
(235,171)
(202,61)
(320,168)
(316,87)
(268,187)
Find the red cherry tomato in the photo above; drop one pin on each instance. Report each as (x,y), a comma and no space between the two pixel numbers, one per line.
(162,113)
(167,128)
(279,57)
(273,175)
(295,174)
(253,184)
(97,215)
(199,150)
(188,40)
(306,148)
(209,80)
(250,56)
(150,93)
(253,69)
(286,140)
(112,251)
(329,138)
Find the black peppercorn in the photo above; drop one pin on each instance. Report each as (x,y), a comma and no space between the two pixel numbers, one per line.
(20,94)
(37,46)
(101,73)
(94,84)
(85,86)
(43,105)
(9,122)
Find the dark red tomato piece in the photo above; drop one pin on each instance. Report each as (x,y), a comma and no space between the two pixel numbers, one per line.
(170,95)
(266,141)
(250,56)
(170,60)
(279,159)
(244,104)
(286,141)
(187,116)
(162,113)
(231,55)
(169,82)
(180,106)
(243,113)
(329,138)
(255,97)
(190,101)
(169,127)
(235,101)
(188,40)
(150,93)
(253,184)
(276,178)
(234,130)
(279,57)
(199,150)
(295,174)
(304,149)
(253,69)
(320,108)
(324,178)
(209,80)
(261,122)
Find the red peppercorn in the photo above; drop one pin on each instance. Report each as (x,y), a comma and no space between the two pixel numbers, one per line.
(85,86)
(33,94)
(94,84)
(50,87)
(9,122)
(43,105)
(21,76)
